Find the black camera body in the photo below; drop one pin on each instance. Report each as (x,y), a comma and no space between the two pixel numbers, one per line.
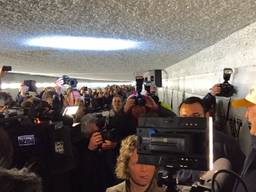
(226,89)
(173,144)
(107,132)
(139,100)
(69,81)
(6,68)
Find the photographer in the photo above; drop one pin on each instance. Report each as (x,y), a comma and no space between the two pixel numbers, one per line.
(22,94)
(162,111)
(118,120)
(57,97)
(27,89)
(136,109)
(94,173)
(210,99)
(138,104)
(51,97)
(137,177)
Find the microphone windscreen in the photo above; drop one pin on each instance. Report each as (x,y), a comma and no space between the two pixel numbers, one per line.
(219,164)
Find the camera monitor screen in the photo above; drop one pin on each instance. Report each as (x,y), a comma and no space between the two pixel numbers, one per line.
(179,142)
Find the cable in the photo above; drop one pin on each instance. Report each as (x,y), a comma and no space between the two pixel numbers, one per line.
(229,172)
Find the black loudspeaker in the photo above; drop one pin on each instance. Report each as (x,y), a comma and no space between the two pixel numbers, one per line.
(158,78)
(154,77)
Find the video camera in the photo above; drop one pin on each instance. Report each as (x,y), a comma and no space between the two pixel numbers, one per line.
(139,99)
(43,145)
(178,142)
(173,144)
(47,142)
(34,126)
(69,81)
(227,90)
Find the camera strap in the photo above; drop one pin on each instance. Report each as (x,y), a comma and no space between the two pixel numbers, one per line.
(228,109)
(183,95)
(107,121)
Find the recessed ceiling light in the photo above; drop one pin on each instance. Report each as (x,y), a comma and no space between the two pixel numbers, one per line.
(82,43)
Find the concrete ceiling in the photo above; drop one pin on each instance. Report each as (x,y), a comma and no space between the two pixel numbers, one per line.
(170,31)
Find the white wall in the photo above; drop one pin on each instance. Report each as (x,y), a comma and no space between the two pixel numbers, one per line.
(196,74)
(18,78)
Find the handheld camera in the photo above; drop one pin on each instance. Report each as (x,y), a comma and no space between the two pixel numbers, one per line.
(139,99)
(227,90)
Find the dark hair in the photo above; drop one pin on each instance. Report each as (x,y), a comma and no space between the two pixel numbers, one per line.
(192,100)
(117,95)
(48,94)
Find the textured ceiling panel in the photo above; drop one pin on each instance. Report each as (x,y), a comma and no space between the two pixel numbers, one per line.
(170,30)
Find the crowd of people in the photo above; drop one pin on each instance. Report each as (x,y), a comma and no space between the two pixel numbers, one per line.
(105,153)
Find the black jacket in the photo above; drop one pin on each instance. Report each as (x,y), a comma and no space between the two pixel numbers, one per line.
(95,170)
(249,170)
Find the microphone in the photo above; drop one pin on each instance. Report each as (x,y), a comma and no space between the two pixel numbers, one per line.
(222,178)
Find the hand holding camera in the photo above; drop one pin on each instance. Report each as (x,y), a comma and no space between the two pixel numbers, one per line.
(95,141)
(150,103)
(215,90)
(108,145)
(4,70)
(69,81)
(129,104)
